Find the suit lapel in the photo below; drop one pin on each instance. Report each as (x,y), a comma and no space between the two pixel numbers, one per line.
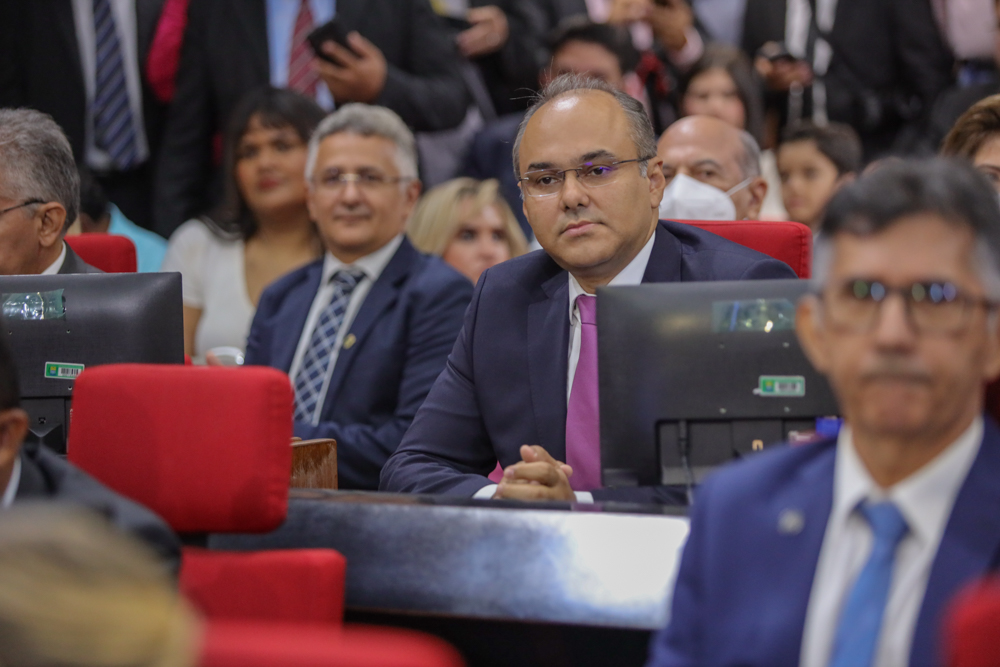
(295,312)
(381,297)
(252,17)
(63,24)
(970,544)
(664,264)
(548,362)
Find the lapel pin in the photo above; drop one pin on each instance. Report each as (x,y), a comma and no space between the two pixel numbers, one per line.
(791,522)
(349,341)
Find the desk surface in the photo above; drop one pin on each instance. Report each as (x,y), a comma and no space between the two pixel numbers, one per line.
(605,565)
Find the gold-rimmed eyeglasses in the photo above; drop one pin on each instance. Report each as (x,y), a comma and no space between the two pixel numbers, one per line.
(594,174)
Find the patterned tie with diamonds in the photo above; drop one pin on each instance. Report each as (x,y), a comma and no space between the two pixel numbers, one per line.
(114,125)
(312,373)
(302,78)
(583,425)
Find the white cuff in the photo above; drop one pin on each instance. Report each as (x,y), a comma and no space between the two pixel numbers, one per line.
(486,492)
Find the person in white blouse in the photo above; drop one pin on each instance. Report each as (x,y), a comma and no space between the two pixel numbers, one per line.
(846,551)
(262,231)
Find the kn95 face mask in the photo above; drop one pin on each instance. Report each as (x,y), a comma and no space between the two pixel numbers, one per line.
(689,199)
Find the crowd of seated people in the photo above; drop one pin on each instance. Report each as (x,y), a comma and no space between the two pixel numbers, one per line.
(349,189)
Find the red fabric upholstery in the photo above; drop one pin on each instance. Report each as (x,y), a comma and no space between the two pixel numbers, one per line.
(205,448)
(791,242)
(266,585)
(972,627)
(246,644)
(108,252)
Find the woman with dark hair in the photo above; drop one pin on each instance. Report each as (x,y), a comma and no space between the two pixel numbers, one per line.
(261,232)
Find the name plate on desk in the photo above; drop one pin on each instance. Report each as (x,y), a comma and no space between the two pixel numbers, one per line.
(481,559)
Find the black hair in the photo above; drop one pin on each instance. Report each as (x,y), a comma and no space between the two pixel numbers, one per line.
(615,39)
(839,143)
(93,200)
(10,392)
(948,187)
(741,71)
(274,108)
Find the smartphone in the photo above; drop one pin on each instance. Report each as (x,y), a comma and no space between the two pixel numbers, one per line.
(331,31)
(457,22)
(776,52)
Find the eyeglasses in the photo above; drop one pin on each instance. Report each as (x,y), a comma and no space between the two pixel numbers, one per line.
(30,202)
(931,307)
(548,182)
(336,181)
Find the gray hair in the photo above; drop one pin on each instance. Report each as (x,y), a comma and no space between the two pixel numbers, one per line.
(366,120)
(640,129)
(749,159)
(36,160)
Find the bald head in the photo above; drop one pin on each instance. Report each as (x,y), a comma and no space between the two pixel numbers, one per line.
(714,152)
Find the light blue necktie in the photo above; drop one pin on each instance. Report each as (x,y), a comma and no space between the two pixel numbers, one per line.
(114,125)
(312,373)
(861,619)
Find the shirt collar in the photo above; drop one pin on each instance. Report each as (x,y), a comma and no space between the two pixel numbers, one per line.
(925,498)
(56,265)
(631,275)
(371,265)
(15,481)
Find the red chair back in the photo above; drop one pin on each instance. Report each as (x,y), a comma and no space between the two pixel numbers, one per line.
(108,252)
(790,242)
(205,448)
(245,644)
(972,626)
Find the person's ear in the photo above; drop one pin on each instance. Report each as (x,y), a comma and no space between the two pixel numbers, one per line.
(411,195)
(758,192)
(811,332)
(844,179)
(50,219)
(991,363)
(13,428)
(657,182)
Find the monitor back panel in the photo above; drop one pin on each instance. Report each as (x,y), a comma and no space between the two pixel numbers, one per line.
(713,366)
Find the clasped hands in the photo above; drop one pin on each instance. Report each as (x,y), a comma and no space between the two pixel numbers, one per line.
(537,476)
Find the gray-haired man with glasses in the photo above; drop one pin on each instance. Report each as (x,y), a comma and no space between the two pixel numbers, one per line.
(847,551)
(39,196)
(364,331)
(520,387)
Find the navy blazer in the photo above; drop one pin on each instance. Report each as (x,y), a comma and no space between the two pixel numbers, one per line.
(743,586)
(403,332)
(505,382)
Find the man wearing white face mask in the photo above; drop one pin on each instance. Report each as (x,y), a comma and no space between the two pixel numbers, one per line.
(712,171)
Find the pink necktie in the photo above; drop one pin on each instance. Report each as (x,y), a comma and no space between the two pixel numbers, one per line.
(302,78)
(583,425)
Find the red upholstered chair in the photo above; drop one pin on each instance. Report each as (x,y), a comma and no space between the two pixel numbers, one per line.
(208,449)
(791,242)
(108,252)
(972,626)
(241,644)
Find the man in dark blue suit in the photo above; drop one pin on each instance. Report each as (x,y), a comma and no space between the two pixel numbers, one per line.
(847,551)
(592,183)
(364,331)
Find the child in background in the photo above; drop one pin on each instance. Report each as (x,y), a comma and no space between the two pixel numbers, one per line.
(814,162)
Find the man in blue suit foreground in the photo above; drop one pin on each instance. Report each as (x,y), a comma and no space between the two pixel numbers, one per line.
(364,331)
(845,552)
(586,160)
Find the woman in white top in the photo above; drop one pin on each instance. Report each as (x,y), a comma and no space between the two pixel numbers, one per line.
(261,232)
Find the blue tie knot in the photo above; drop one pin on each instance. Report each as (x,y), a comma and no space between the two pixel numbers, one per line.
(887,522)
(347,278)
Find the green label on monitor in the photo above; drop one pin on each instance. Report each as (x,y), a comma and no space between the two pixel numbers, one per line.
(781,386)
(60,371)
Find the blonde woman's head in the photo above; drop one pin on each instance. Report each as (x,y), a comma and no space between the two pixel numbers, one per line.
(76,593)
(468,224)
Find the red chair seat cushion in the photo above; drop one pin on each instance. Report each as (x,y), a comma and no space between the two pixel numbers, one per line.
(302,585)
(790,242)
(110,253)
(248,644)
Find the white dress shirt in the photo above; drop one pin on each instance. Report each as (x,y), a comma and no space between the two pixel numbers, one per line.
(124,13)
(12,485)
(925,499)
(54,267)
(631,275)
(372,267)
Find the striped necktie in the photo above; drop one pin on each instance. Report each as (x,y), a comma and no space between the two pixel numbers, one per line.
(302,78)
(114,125)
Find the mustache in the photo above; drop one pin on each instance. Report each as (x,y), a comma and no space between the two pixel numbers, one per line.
(896,368)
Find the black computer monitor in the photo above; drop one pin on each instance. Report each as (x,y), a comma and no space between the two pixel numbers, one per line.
(695,374)
(58,325)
